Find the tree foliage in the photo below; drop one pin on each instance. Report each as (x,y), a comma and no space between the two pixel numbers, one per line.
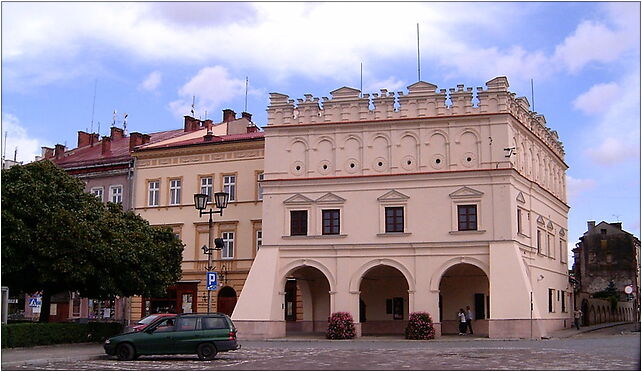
(56,237)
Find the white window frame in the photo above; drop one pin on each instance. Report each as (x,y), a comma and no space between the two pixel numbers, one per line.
(259,239)
(229,185)
(113,195)
(153,193)
(98,192)
(175,186)
(207,188)
(227,253)
(538,241)
(259,187)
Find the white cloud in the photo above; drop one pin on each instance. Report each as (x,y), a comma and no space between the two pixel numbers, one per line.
(212,86)
(597,99)
(151,82)
(27,146)
(611,151)
(392,84)
(576,186)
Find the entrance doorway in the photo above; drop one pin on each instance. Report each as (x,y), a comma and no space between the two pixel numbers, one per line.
(226,300)
(460,286)
(307,301)
(179,298)
(383,301)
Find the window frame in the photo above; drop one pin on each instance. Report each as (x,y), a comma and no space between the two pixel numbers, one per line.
(258,239)
(538,242)
(467,222)
(395,218)
(563,251)
(260,176)
(230,185)
(178,191)
(334,227)
(551,300)
(306,220)
(112,194)
(102,193)
(226,250)
(156,190)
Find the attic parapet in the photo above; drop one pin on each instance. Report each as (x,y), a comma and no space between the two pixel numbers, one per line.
(422,100)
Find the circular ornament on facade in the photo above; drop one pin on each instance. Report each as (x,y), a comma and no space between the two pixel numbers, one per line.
(438,161)
(352,165)
(380,164)
(325,167)
(468,160)
(297,168)
(408,162)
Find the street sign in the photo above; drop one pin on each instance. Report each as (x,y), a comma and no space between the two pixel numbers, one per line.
(211,280)
(35,303)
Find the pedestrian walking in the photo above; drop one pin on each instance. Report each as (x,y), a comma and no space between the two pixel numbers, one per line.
(577,314)
(469,320)
(462,322)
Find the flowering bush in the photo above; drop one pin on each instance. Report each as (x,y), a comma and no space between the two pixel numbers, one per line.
(340,326)
(420,327)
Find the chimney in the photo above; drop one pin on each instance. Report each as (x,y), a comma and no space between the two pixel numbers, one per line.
(116,133)
(94,139)
(146,138)
(135,139)
(106,146)
(228,115)
(84,138)
(59,151)
(591,225)
(246,115)
(252,128)
(208,136)
(191,124)
(47,152)
(616,224)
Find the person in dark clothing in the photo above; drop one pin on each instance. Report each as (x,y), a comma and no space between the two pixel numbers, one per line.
(462,322)
(469,320)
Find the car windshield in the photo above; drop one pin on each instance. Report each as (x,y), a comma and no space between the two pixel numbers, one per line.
(148,319)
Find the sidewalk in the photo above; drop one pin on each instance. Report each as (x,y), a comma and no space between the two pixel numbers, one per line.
(89,351)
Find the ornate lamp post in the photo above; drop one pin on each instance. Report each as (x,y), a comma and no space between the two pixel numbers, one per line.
(200,203)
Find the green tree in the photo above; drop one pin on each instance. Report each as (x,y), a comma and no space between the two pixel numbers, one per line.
(56,237)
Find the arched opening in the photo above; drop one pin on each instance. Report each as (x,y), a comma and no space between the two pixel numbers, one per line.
(460,286)
(226,300)
(307,301)
(585,313)
(384,298)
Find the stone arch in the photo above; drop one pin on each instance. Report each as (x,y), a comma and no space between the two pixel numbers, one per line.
(472,131)
(439,132)
(297,264)
(325,138)
(355,281)
(436,277)
(295,140)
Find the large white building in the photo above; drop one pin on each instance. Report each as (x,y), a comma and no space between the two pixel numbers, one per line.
(390,204)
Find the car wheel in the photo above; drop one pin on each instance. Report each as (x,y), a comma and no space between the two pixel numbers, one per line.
(206,351)
(125,352)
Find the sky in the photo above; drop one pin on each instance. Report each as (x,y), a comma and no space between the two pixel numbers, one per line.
(68,66)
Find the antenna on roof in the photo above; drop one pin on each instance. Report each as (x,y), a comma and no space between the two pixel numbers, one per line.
(93,107)
(15,154)
(193,103)
(113,124)
(418,60)
(99,128)
(246,82)
(532,96)
(361,81)
(125,123)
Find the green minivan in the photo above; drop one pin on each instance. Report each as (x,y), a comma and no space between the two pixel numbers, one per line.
(201,334)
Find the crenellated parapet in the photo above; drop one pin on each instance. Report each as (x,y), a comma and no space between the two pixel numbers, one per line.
(423,100)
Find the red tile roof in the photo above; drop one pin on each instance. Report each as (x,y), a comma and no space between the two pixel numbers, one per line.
(201,141)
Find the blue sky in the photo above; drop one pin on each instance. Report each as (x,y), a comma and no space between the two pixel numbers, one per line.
(149,59)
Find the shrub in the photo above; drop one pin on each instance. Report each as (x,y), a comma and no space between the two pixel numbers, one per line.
(32,334)
(420,327)
(340,326)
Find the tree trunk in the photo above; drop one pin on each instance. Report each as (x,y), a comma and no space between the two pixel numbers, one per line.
(45,308)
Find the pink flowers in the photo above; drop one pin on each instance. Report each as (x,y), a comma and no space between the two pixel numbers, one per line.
(340,326)
(420,327)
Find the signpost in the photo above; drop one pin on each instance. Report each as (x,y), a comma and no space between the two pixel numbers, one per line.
(211,280)
(35,304)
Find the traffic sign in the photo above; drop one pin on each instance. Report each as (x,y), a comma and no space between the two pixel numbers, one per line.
(35,301)
(211,280)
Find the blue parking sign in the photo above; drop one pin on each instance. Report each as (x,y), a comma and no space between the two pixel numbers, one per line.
(211,280)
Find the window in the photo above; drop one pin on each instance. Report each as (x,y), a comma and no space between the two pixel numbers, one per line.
(98,192)
(519,221)
(229,186)
(394,219)
(562,251)
(549,246)
(539,241)
(116,194)
(154,193)
(206,188)
(228,245)
(259,239)
(564,302)
(259,187)
(75,312)
(186,324)
(298,223)
(214,323)
(330,221)
(175,192)
(551,300)
(467,217)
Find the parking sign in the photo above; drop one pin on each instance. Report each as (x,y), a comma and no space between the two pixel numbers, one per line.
(211,280)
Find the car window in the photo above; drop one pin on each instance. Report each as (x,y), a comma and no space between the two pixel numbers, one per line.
(186,324)
(167,325)
(214,323)
(148,320)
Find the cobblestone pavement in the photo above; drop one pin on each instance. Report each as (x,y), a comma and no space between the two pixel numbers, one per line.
(609,350)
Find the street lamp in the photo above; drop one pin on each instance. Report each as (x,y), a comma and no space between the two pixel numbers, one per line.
(200,203)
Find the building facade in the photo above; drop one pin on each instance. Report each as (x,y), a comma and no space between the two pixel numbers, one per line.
(390,204)
(606,255)
(205,158)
